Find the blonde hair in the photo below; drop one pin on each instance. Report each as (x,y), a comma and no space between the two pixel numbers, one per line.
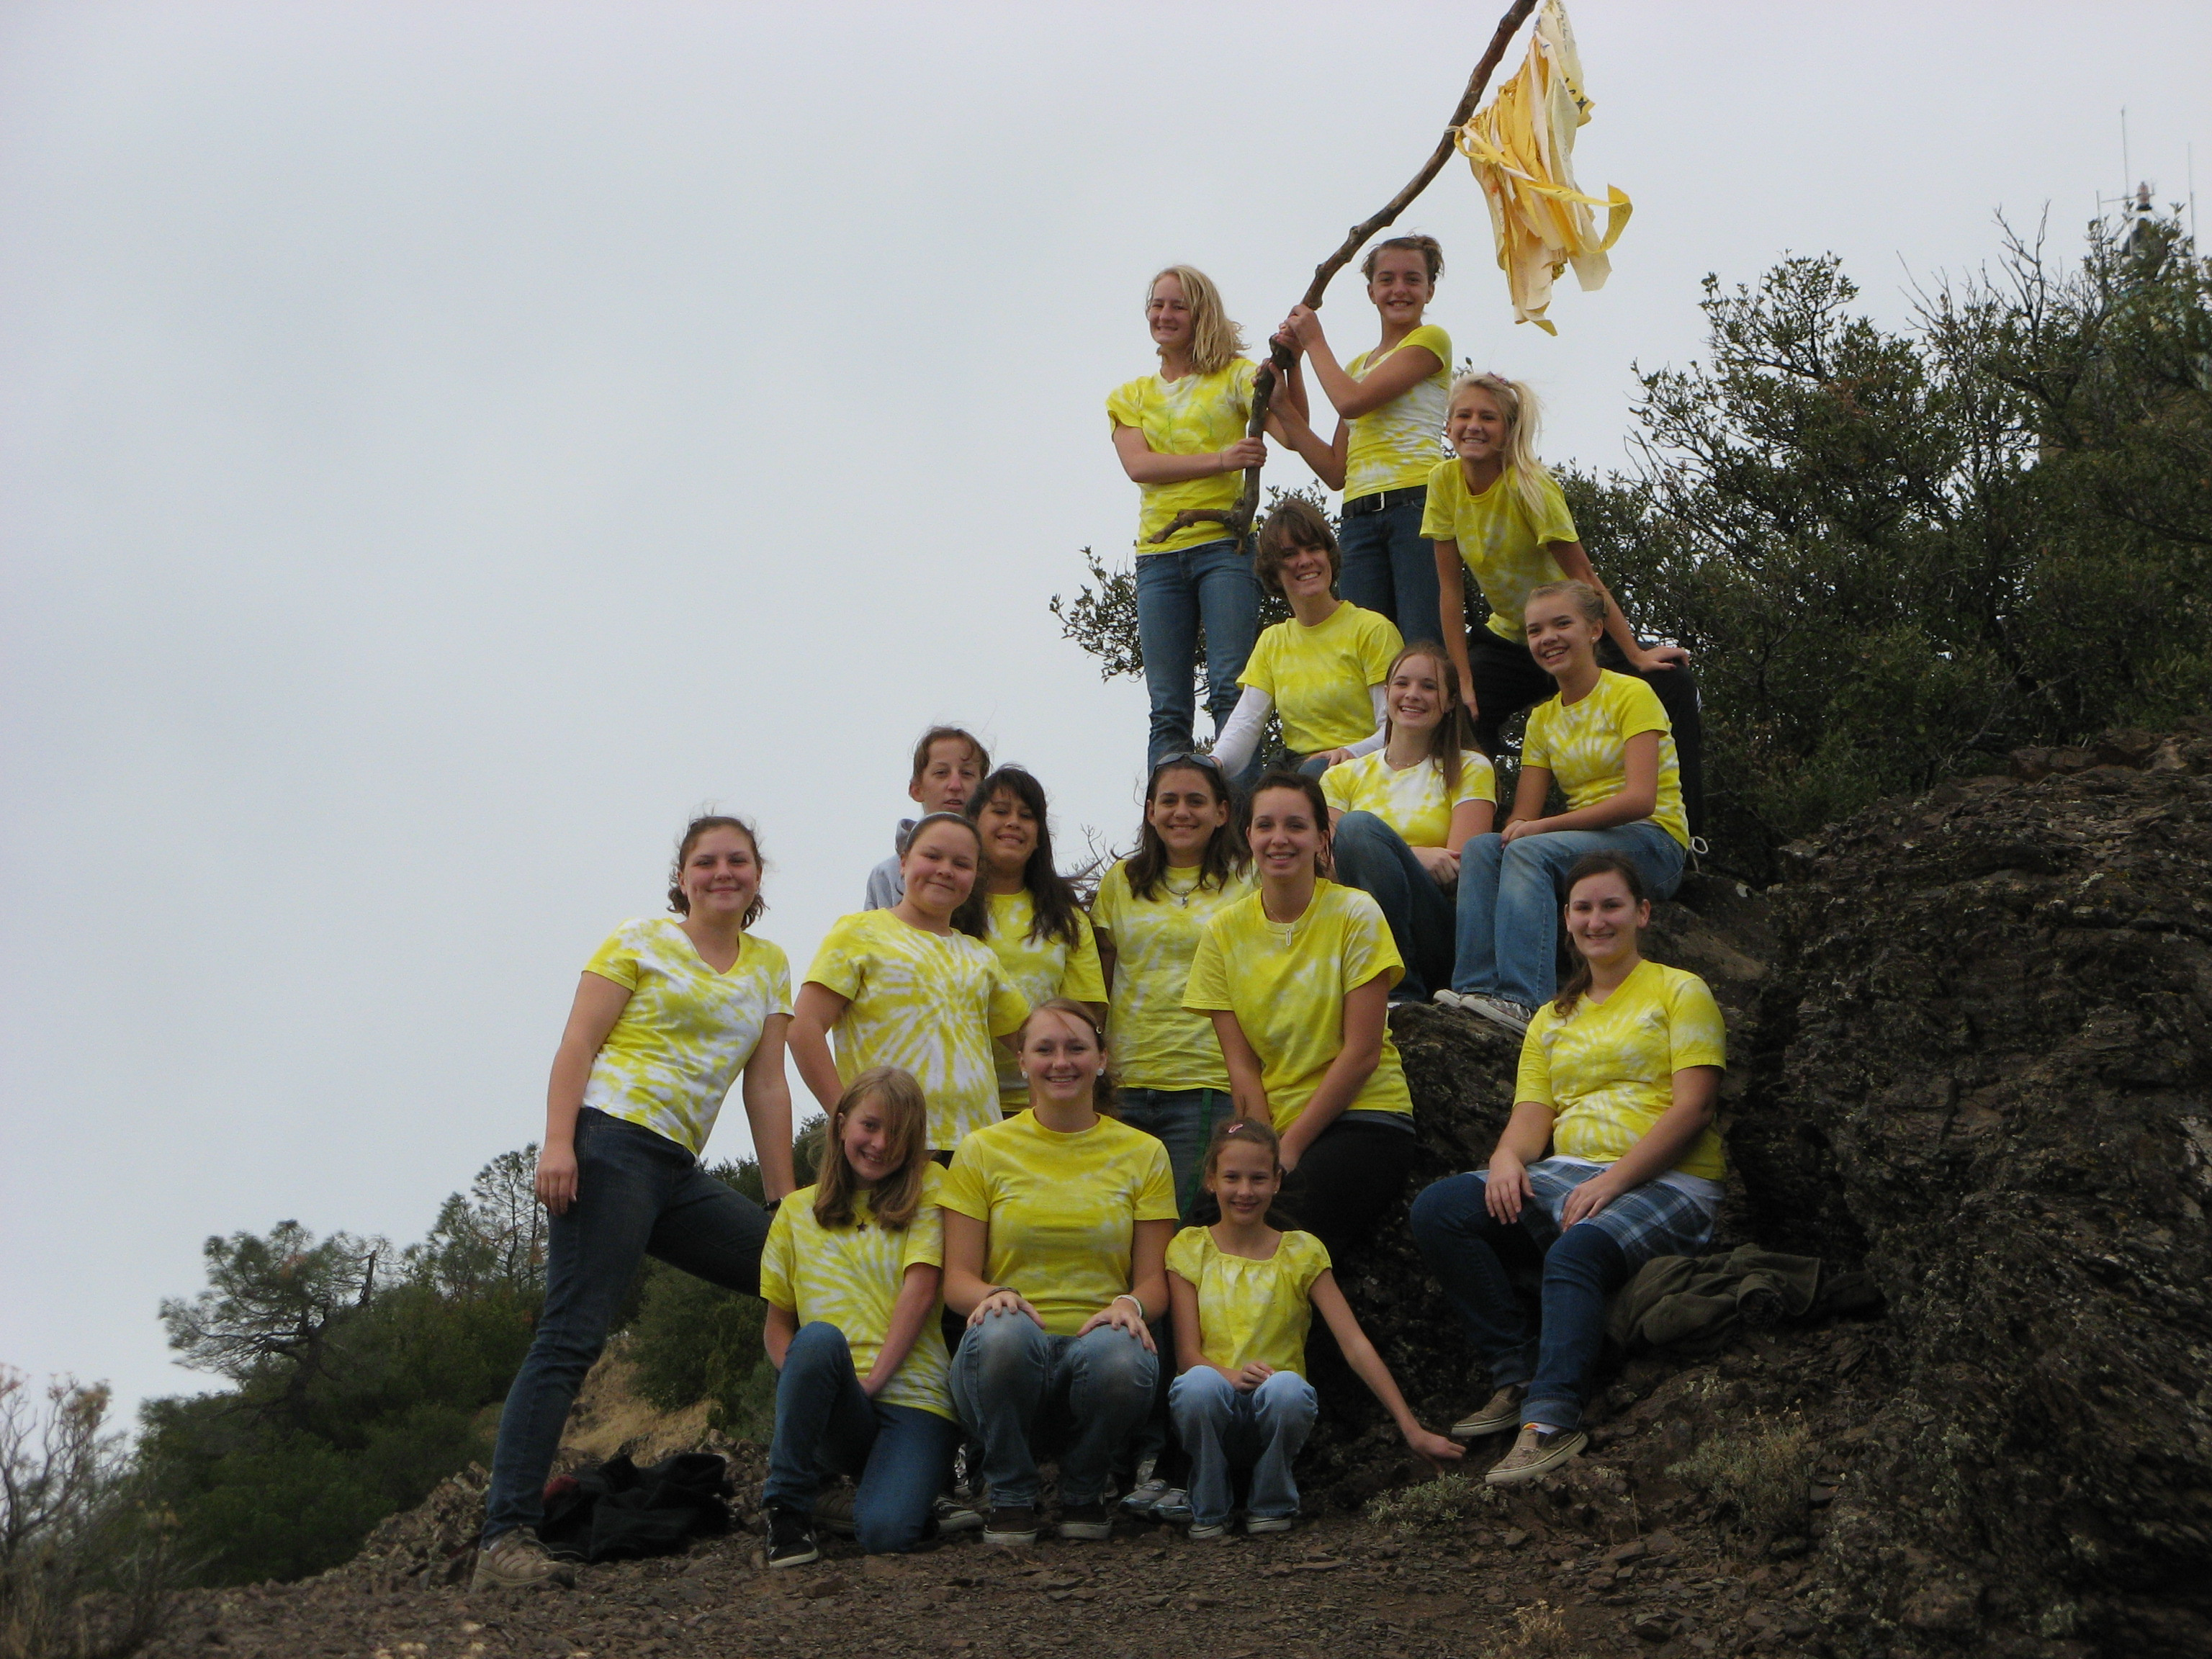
(1516,400)
(906,1114)
(1215,340)
(1587,599)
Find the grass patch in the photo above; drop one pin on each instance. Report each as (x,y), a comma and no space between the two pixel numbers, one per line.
(1538,1632)
(1443,1502)
(1760,1477)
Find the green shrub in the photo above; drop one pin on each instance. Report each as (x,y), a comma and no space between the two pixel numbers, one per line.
(1760,1475)
(1445,1501)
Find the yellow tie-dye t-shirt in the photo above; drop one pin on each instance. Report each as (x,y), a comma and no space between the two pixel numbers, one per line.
(1251,1312)
(1157,1042)
(1319,678)
(1039,968)
(1607,1072)
(1414,802)
(1286,983)
(686,1031)
(850,1277)
(1198,414)
(929,1002)
(1396,446)
(1500,542)
(1062,1210)
(1584,746)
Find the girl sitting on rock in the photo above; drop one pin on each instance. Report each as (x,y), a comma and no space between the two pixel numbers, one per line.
(1056,1223)
(1607,742)
(1244,1295)
(1399,816)
(850,1276)
(1609,1159)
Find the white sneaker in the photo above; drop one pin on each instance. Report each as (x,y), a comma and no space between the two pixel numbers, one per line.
(1445,997)
(1499,1012)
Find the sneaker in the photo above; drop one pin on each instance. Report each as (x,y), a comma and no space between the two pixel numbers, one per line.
(1143,1498)
(1088,1523)
(833,1511)
(1256,1524)
(1010,1523)
(1173,1507)
(1499,1012)
(1445,997)
(516,1560)
(952,1515)
(1501,1412)
(1206,1532)
(1536,1453)
(790,1537)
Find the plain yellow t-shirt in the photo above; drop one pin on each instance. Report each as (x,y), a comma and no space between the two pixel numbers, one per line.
(928,1002)
(686,1031)
(1319,678)
(1395,446)
(1583,745)
(1040,968)
(1500,542)
(1286,983)
(1413,802)
(1608,1073)
(1251,1312)
(850,1277)
(1157,1043)
(1198,414)
(1062,1210)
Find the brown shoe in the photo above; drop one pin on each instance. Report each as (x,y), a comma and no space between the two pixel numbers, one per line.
(1501,1412)
(1536,1454)
(834,1512)
(516,1560)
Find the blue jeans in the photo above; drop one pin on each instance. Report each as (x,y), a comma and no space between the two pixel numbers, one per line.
(1390,567)
(1458,1238)
(1225,1428)
(1024,1393)
(637,1194)
(1509,902)
(826,1424)
(1182,1121)
(1212,584)
(1374,858)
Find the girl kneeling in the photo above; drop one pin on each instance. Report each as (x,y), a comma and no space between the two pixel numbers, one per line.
(1056,1224)
(1617,1078)
(1244,1295)
(850,1277)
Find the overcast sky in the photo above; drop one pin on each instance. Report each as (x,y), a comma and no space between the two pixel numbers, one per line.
(445,444)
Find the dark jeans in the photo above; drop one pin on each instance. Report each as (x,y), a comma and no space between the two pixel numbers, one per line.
(1507,681)
(1507,926)
(1374,858)
(1390,566)
(1353,1173)
(1024,1393)
(1210,586)
(826,1424)
(1182,1121)
(637,1194)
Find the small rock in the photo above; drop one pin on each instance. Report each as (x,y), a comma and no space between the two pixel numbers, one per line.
(833,1584)
(1634,1550)
(1514,1537)
(1653,1627)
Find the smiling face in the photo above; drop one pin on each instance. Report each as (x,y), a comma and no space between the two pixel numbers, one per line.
(870,1144)
(1185,812)
(1305,572)
(1287,835)
(1245,1180)
(721,874)
(940,867)
(1401,288)
(1477,426)
(1417,693)
(1604,918)
(953,771)
(1168,315)
(1560,637)
(1061,1057)
(1009,829)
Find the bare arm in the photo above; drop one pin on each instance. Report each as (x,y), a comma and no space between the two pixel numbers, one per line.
(1359,1353)
(1469,818)
(1147,465)
(966,1290)
(815,1010)
(1527,1133)
(917,1301)
(1108,956)
(599,1003)
(768,1108)
(1394,376)
(1246,1091)
(1575,564)
(1366,1011)
(1658,1150)
(1451,616)
(1638,798)
(776,1332)
(1327,459)
(1530,791)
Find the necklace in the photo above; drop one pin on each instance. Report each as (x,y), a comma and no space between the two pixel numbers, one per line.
(1181,895)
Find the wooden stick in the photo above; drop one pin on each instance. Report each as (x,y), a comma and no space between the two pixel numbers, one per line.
(1239,518)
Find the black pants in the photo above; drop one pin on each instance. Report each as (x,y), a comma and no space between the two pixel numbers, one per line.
(1351,1174)
(1507,681)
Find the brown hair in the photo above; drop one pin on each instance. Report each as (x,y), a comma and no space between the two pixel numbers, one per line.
(938,734)
(1431,252)
(1214,340)
(1303,783)
(974,915)
(1226,854)
(1454,734)
(1245,1132)
(895,1200)
(1593,864)
(1588,599)
(1054,906)
(1105,1095)
(1294,522)
(694,832)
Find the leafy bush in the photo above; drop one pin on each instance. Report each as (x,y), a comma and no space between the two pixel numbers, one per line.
(1760,1478)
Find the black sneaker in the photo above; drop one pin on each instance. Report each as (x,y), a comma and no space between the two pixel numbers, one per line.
(1010,1523)
(790,1537)
(1088,1523)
